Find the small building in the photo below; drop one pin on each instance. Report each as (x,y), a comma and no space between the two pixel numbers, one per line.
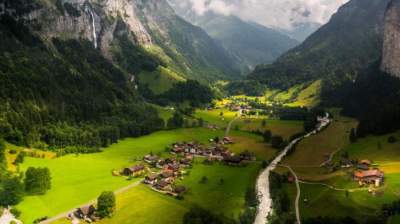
(85,212)
(150,159)
(167,174)
(369,177)
(362,167)
(134,171)
(233,160)
(151,179)
(365,162)
(227,140)
(162,185)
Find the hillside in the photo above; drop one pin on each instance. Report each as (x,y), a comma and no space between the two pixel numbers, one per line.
(249,42)
(336,52)
(69,69)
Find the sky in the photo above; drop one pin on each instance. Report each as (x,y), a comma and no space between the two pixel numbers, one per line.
(282,14)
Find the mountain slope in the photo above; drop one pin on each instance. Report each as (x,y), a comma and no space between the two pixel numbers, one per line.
(68,68)
(249,42)
(350,41)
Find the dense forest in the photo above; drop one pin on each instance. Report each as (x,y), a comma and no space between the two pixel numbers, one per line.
(373,99)
(65,93)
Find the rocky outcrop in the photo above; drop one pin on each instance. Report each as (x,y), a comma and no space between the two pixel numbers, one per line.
(391,40)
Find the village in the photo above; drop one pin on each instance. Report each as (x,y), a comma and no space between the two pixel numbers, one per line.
(162,174)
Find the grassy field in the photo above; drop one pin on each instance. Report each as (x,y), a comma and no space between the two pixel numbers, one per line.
(78,179)
(320,146)
(359,203)
(160,80)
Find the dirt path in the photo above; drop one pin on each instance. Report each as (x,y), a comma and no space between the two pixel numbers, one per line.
(333,187)
(65,214)
(297,208)
(228,128)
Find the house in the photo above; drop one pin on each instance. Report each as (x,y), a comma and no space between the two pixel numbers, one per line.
(362,167)
(186,162)
(369,177)
(246,155)
(365,162)
(227,140)
(167,174)
(151,179)
(150,159)
(85,212)
(233,160)
(162,185)
(345,163)
(134,171)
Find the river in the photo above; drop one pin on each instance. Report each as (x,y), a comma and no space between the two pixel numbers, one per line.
(262,185)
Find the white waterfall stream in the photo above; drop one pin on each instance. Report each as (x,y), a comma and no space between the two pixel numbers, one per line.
(93,27)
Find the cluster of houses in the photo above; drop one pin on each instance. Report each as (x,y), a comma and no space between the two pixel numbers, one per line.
(162,173)
(364,173)
(216,151)
(86,213)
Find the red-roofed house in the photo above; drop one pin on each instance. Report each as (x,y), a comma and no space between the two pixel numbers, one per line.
(369,177)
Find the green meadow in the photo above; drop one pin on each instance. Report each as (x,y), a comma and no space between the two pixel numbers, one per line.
(77,179)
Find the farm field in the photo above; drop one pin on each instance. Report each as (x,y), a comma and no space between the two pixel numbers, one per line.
(358,203)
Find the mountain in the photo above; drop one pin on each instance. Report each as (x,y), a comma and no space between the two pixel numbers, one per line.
(336,52)
(249,42)
(391,39)
(300,31)
(70,69)
(373,98)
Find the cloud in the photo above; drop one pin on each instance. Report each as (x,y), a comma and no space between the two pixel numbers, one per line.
(282,14)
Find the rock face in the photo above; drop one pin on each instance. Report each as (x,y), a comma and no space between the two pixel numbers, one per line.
(391,40)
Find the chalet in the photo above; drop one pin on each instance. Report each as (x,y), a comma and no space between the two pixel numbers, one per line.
(177,150)
(167,174)
(362,167)
(85,212)
(151,179)
(227,140)
(365,162)
(162,185)
(345,163)
(134,171)
(233,160)
(369,177)
(150,159)
(173,167)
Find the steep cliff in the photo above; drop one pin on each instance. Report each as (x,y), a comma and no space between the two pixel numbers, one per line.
(391,40)
(148,24)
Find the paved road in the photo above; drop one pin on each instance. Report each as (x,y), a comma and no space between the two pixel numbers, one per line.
(65,214)
(298,194)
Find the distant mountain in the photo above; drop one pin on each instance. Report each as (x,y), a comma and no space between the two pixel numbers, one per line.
(336,52)
(249,42)
(301,31)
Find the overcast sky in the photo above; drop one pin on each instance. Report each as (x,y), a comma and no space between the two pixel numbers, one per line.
(272,13)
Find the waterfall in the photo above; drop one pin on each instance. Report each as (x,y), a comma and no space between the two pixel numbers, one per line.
(90,11)
(94,29)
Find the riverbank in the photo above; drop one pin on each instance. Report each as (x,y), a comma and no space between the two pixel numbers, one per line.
(262,185)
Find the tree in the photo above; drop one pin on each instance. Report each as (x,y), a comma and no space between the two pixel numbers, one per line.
(106,204)
(3,161)
(19,159)
(175,121)
(276,141)
(12,191)
(263,123)
(353,135)
(267,135)
(37,180)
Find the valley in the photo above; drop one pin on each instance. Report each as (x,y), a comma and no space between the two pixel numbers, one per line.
(199,112)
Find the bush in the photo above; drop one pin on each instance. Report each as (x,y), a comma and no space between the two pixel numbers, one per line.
(106,204)
(37,180)
(392,139)
(15,212)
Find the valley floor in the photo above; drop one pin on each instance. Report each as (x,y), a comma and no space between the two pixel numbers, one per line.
(79,179)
